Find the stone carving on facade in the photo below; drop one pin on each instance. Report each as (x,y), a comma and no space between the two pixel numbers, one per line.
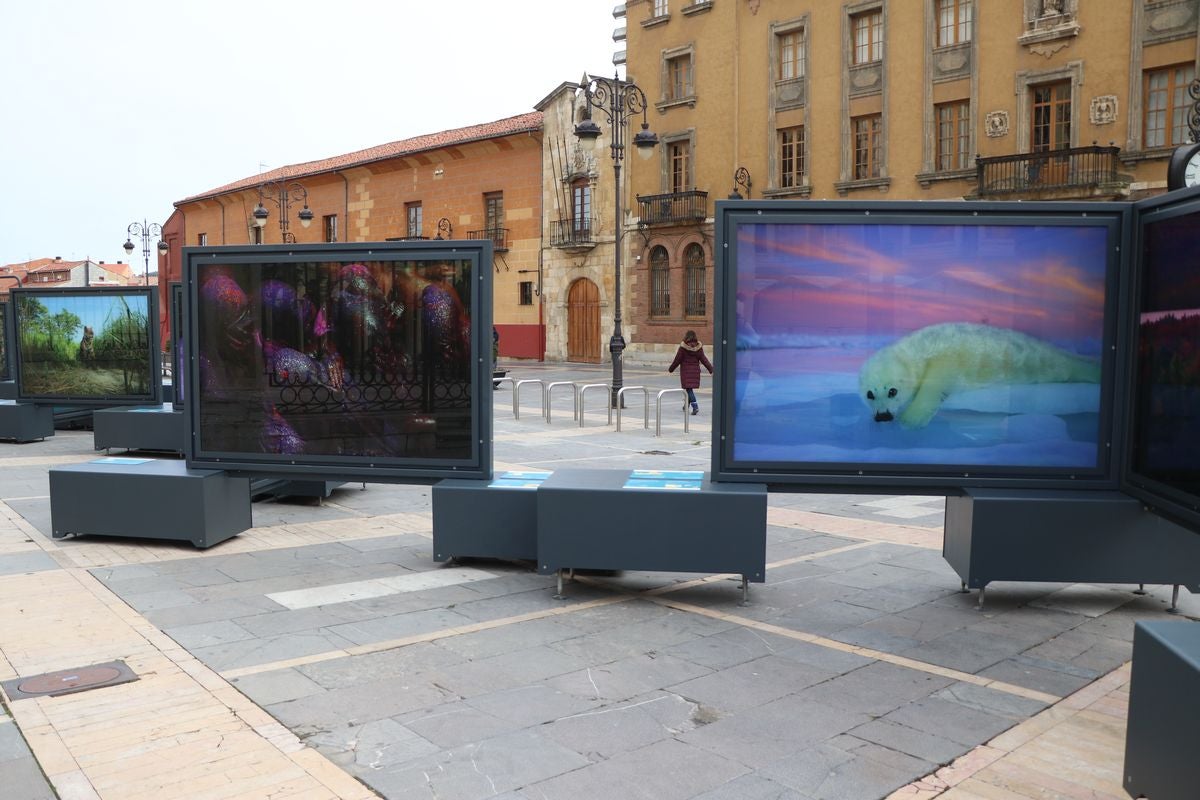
(753,6)
(583,162)
(1173,19)
(995,123)
(1104,109)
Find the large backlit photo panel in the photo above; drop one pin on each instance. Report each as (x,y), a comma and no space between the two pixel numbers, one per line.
(86,344)
(911,344)
(4,362)
(360,364)
(1165,430)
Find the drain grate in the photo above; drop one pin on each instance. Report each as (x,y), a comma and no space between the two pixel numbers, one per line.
(69,681)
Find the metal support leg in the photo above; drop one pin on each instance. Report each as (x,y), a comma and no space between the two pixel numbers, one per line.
(979,606)
(1141,589)
(964,588)
(1174,609)
(559,594)
(745,590)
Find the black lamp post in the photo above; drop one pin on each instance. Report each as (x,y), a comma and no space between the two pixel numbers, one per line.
(619,101)
(147,231)
(281,194)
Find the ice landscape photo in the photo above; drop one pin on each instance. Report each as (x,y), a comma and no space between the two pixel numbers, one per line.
(904,344)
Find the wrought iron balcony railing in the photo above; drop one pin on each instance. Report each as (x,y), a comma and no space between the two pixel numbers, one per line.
(673,208)
(499,237)
(1089,171)
(571,233)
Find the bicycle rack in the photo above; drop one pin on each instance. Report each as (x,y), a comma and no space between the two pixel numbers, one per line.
(496,382)
(658,410)
(583,391)
(645,405)
(548,398)
(517,394)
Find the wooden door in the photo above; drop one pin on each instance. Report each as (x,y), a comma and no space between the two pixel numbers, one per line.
(583,322)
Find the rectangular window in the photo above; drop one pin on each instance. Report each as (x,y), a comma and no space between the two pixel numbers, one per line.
(256,234)
(330,224)
(660,8)
(1167,105)
(679,154)
(791,157)
(413,212)
(791,55)
(202,239)
(581,206)
(525,293)
(867,143)
(679,77)
(1051,117)
(868,37)
(954,21)
(953,136)
(493,209)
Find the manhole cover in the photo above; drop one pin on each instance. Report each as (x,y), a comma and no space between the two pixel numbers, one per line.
(67,681)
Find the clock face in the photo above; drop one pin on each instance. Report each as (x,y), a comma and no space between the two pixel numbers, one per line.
(1191,172)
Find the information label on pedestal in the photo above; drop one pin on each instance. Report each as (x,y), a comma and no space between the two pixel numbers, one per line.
(520,479)
(118,461)
(664,479)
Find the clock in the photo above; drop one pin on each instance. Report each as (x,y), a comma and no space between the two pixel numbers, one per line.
(1184,168)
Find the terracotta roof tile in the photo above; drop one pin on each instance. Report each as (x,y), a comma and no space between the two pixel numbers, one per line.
(521,123)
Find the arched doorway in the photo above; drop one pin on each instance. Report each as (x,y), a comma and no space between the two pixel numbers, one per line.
(583,322)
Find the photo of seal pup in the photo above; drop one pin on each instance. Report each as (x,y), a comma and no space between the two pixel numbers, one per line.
(908,379)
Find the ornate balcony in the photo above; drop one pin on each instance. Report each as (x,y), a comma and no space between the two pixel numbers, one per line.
(674,208)
(572,234)
(499,237)
(1073,173)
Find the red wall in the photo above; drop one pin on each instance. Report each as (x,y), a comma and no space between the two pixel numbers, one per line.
(521,341)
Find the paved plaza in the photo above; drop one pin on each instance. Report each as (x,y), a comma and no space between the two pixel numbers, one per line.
(324,654)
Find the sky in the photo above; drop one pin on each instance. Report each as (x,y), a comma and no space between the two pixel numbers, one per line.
(113,111)
(845,279)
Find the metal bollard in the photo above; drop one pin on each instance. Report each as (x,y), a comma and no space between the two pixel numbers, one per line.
(517,394)
(645,403)
(658,410)
(548,399)
(607,403)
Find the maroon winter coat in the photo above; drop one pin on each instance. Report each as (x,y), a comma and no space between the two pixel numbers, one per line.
(688,358)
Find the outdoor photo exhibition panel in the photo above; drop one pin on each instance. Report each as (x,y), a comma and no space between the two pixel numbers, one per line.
(5,338)
(362,362)
(94,345)
(1163,464)
(178,353)
(918,346)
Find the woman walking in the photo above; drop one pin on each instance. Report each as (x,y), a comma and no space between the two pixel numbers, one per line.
(688,359)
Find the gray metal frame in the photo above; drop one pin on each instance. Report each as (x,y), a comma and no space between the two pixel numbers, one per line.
(153,356)
(352,468)
(160,428)
(914,478)
(472,519)
(25,422)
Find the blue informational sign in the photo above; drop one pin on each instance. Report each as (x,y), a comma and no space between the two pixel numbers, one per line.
(117,461)
(519,479)
(664,479)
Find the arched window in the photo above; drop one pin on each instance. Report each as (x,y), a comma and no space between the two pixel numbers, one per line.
(660,282)
(694,277)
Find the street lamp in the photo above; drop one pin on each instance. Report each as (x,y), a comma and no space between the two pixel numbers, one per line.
(741,177)
(280,193)
(619,101)
(147,231)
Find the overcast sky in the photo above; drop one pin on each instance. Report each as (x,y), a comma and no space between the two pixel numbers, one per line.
(112,111)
